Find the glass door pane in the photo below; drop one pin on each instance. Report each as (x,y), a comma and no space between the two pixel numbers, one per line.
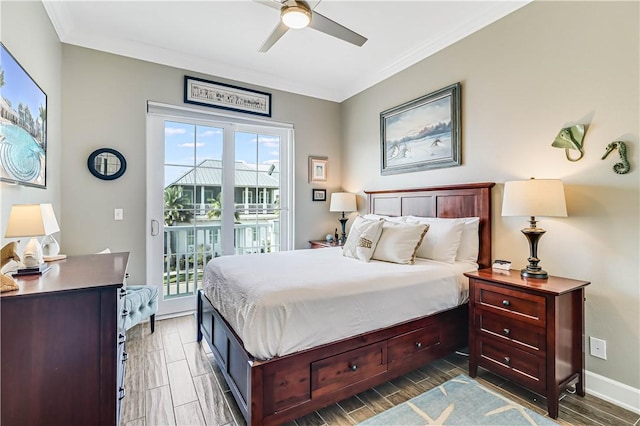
(257,192)
(192,206)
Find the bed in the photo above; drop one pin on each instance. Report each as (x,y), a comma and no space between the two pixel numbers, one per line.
(287,381)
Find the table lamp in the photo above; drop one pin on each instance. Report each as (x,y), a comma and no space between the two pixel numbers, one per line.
(32,220)
(534,197)
(343,202)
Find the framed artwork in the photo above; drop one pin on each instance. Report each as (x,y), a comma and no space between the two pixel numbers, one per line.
(23,125)
(318,169)
(319,194)
(225,96)
(421,134)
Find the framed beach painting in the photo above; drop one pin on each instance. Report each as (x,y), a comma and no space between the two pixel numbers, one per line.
(318,169)
(23,125)
(421,134)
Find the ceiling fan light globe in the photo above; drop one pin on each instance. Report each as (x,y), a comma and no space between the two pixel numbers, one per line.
(295,17)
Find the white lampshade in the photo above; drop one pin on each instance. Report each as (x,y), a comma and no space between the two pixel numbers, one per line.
(343,202)
(295,16)
(534,197)
(31,220)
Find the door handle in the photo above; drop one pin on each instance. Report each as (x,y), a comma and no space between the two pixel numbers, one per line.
(155,230)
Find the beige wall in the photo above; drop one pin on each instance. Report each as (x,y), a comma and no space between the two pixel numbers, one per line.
(40,55)
(524,78)
(104,105)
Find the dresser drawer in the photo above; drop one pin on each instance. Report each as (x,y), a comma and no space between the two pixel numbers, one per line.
(515,364)
(530,308)
(339,371)
(526,336)
(410,343)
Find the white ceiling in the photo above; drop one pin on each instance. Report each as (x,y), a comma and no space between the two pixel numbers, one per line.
(222,38)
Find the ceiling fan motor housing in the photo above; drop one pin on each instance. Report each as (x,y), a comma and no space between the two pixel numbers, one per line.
(295,14)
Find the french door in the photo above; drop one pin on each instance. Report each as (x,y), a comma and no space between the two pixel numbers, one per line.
(216,185)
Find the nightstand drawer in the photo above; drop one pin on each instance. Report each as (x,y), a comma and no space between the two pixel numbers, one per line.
(515,364)
(518,333)
(530,308)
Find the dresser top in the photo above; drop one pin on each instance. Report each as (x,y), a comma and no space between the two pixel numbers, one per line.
(552,285)
(75,273)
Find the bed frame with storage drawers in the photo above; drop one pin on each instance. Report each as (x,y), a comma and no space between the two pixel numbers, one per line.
(284,388)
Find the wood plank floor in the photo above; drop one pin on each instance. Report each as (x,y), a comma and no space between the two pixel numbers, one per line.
(173,380)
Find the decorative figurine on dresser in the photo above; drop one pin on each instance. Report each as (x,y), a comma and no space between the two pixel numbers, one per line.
(529,330)
(63,344)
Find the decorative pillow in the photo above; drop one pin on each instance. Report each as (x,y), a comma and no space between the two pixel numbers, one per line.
(470,241)
(399,242)
(363,238)
(443,239)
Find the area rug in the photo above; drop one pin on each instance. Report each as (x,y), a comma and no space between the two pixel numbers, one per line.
(459,401)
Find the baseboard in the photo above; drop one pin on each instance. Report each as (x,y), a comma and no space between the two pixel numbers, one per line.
(612,391)
(175,315)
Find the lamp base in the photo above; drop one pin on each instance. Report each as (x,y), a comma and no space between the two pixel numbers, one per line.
(533,234)
(528,273)
(343,222)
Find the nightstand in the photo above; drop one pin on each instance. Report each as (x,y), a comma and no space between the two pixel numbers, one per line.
(530,331)
(316,244)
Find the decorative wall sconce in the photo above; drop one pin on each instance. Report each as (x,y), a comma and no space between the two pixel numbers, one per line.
(623,167)
(570,138)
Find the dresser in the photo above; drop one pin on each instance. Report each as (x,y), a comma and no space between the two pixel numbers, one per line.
(63,344)
(530,331)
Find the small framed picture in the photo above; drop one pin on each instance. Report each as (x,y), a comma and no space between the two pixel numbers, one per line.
(318,169)
(319,194)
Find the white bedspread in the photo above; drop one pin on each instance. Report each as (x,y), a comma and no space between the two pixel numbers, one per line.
(280,303)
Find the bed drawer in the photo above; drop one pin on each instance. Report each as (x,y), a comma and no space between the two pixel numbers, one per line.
(415,341)
(339,371)
(515,364)
(527,307)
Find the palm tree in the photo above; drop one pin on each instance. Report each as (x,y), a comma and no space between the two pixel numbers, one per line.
(174,211)
(174,206)
(216,209)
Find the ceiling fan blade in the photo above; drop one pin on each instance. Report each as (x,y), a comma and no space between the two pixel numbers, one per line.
(327,26)
(277,32)
(274,4)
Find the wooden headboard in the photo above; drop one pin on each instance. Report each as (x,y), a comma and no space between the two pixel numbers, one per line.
(466,200)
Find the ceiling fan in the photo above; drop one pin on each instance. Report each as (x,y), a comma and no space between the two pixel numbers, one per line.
(297,14)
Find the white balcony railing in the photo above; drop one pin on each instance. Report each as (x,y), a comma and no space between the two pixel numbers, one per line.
(188,248)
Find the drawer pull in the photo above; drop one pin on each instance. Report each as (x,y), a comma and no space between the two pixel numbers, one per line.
(125,356)
(507,331)
(506,303)
(123,292)
(121,393)
(353,367)
(125,312)
(507,360)
(418,345)
(121,338)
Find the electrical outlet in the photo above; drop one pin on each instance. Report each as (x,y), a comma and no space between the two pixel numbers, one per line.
(598,347)
(118,214)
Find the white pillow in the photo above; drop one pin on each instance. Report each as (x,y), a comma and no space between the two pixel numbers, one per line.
(399,242)
(372,216)
(470,241)
(443,239)
(363,238)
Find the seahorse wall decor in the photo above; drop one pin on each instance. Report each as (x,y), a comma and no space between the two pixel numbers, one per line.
(623,167)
